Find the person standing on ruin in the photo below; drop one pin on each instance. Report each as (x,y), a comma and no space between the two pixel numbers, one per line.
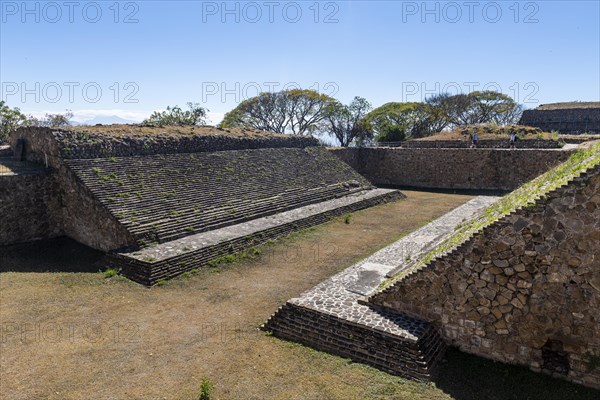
(513,139)
(474,140)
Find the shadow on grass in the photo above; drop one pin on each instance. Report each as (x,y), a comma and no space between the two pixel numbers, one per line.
(467,377)
(54,255)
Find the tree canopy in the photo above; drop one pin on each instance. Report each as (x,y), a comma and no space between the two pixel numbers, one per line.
(398,121)
(295,111)
(10,119)
(195,115)
(346,123)
(393,122)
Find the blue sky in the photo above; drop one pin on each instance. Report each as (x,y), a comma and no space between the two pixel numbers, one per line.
(129,58)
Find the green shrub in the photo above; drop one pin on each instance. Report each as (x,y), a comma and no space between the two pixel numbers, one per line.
(110,272)
(206,388)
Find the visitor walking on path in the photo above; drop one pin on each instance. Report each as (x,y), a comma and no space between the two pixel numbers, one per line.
(474,140)
(513,139)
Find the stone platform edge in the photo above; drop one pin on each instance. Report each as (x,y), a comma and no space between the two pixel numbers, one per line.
(149,273)
(409,358)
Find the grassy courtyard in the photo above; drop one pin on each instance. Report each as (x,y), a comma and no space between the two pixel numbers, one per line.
(83,335)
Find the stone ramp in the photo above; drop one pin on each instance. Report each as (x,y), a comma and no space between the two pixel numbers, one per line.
(164,197)
(166,260)
(334,317)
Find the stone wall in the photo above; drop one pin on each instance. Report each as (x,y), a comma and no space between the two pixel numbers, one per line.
(525,290)
(482,144)
(412,359)
(572,120)
(46,145)
(480,169)
(26,208)
(52,204)
(83,218)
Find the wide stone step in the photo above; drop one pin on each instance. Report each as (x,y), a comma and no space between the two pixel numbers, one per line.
(166,260)
(335,317)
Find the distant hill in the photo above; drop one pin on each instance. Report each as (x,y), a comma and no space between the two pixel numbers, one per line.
(105,120)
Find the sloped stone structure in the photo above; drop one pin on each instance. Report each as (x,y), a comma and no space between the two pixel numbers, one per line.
(524,290)
(159,198)
(123,189)
(334,317)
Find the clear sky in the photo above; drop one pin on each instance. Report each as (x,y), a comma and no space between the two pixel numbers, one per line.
(129,58)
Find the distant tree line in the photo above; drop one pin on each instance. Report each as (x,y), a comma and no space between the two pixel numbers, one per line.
(307,112)
(302,112)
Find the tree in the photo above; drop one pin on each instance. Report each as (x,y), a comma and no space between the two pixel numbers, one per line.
(511,116)
(10,119)
(294,111)
(438,109)
(266,112)
(461,110)
(481,107)
(51,120)
(346,122)
(394,121)
(492,106)
(196,115)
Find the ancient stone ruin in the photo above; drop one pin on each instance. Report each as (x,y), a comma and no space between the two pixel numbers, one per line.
(162,201)
(574,118)
(513,277)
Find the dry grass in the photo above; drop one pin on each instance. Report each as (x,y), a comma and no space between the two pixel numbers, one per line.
(82,336)
(121,130)
(569,105)
(492,132)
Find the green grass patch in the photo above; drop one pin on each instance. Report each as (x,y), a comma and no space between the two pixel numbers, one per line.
(110,272)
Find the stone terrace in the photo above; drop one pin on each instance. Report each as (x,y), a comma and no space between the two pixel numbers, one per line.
(165,200)
(334,317)
(160,198)
(157,262)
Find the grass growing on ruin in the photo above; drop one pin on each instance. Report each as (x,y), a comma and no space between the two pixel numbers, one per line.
(494,132)
(525,196)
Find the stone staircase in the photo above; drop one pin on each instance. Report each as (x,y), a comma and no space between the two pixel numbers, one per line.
(160,198)
(166,260)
